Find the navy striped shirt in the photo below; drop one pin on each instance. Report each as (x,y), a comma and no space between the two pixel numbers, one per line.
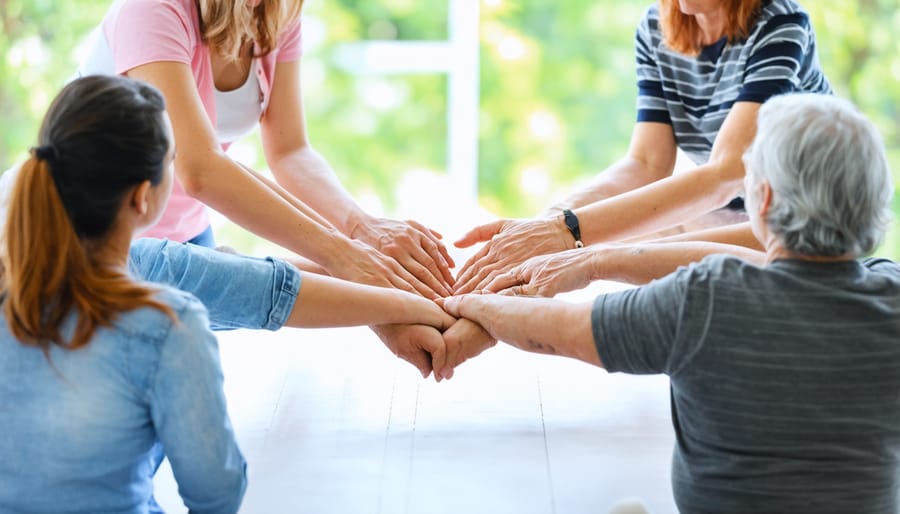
(785,380)
(694,94)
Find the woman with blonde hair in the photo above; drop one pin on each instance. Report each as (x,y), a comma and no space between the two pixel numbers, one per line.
(704,68)
(226,66)
(101,374)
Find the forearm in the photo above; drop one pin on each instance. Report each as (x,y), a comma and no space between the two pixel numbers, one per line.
(642,262)
(308,176)
(328,302)
(623,176)
(253,204)
(662,204)
(738,234)
(535,324)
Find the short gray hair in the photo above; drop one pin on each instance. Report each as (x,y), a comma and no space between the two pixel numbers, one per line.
(826,164)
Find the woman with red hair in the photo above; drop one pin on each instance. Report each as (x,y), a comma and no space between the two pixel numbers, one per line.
(704,67)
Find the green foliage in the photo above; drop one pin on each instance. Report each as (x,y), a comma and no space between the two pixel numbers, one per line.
(557,86)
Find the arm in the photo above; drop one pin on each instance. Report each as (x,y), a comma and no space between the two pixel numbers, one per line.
(651,157)
(534,325)
(639,263)
(187,406)
(660,204)
(308,176)
(211,176)
(246,292)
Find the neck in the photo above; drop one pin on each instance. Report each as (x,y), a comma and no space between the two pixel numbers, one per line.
(111,250)
(776,251)
(712,25)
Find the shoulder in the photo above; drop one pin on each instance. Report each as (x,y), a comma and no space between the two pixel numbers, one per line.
(882,266)
(649,23)
(153,324)
(154,19)
(786,18)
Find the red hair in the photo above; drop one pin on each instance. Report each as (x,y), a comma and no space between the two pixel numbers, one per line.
(682,33)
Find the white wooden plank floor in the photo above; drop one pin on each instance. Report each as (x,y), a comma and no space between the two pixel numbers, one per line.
(332,423)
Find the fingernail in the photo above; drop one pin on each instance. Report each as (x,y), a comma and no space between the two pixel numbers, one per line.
(447,372)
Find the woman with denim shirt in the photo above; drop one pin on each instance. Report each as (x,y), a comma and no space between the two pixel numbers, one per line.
(101,374)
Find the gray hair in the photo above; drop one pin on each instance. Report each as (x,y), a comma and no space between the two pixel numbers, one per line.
(826,164)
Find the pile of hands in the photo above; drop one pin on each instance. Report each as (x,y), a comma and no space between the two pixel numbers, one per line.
(520,257)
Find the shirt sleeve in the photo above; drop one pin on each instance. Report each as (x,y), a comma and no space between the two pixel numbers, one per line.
(655,328)
(188,410)
(238,291)
(651,102)
(778,55)
(290,46)
(146,31)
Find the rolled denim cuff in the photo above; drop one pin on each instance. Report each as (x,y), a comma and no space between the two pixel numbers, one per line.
(286,286)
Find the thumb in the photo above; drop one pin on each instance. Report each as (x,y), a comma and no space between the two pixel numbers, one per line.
(479,234)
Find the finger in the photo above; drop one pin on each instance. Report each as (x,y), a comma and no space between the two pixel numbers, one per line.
(438,353)
(451,305)
(437,254)
(404,280)
(479,281)
(420,265)
(502,281)
(472,265)
(435,237)
(479,234)
(420,359)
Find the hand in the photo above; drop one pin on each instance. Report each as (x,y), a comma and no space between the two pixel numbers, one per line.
(359,262)
(464,340)
(510,243)
(547,275)
(417,248)
(420,345)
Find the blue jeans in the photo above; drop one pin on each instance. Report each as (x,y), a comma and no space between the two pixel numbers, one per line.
(238,291)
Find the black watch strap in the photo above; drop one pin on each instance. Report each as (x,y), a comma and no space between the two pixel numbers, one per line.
(572,224)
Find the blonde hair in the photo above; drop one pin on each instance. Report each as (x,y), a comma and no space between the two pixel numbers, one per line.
(227,25)
(682,33)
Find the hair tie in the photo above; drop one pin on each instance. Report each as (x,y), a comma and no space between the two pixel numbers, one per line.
(46,152)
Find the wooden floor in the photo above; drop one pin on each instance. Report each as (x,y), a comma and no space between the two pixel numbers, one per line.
(332,423)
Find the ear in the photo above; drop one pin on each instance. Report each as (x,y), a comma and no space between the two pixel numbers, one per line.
(140,197)
(765,198)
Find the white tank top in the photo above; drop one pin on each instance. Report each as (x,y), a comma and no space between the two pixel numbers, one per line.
(237,111)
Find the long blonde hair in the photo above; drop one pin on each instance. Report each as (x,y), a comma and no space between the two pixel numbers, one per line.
(227,25)
(682,33)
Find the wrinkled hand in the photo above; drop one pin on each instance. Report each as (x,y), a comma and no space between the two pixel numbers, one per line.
(464,340)
(420,345)
(417,248)
(546,275)
(510,242)
(361,263)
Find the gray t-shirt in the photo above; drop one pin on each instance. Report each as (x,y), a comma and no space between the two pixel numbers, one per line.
(785,380)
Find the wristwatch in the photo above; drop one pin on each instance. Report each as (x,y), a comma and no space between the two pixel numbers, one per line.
(572,224)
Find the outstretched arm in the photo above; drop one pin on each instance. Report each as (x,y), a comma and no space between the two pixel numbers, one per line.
(532,324)
(659,204)
(309,177)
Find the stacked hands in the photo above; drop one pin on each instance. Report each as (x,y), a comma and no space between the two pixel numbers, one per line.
(520,257)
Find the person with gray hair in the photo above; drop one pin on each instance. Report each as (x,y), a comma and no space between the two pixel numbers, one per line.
(785,374)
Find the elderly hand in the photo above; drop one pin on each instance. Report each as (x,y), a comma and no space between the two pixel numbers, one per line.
(417,248)
(464,340)
(547,275)
(420,345)
(509,243)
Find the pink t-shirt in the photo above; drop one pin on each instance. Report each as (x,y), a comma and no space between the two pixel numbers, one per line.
(139,32)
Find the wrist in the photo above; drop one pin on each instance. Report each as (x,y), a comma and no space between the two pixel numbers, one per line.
(570,220)
(358,225)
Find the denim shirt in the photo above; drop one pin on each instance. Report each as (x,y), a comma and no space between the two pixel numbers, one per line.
(238,291)
(84,431)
